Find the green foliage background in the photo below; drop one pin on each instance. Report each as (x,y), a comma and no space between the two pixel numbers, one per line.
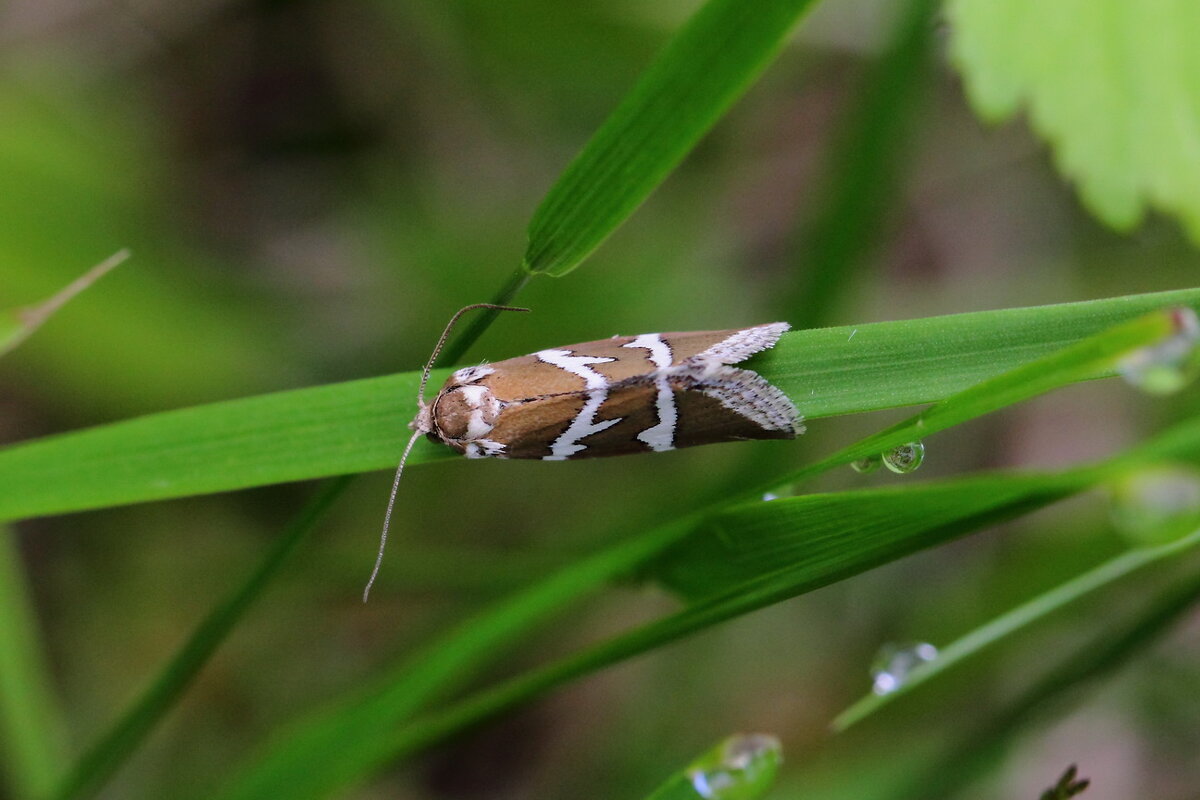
(309,190)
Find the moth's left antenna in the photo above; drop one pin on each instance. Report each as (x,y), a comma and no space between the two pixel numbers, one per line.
(437,349)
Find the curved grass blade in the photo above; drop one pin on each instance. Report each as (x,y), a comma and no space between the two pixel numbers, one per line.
(113,749)
(32,730)
(360,425)
(1018,619)
(708,65)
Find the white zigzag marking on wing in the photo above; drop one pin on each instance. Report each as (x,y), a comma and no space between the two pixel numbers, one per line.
(741,345)
(584,424)
(662,435)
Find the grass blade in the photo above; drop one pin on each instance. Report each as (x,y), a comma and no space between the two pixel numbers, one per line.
(342,746)
(114,748)
(865,166)
(1087,663)
(31,723)
(1183,442)
(708,65)
(742,767)
(17,326)
(1018,619)
(360,425)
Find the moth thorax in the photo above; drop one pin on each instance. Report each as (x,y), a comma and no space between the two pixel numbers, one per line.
(465,413)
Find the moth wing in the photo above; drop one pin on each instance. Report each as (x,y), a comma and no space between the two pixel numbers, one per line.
(528,428)
(738,345)
(750,395)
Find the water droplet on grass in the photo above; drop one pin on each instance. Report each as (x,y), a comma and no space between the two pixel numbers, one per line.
(740,768)
(895,663)
(1170,364)
(904,459)
(868,464)
(1156,504)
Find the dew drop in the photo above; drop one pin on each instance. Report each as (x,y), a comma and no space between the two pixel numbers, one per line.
(739,768)
(779,492)
(868,464)
(1170,364)
(895,662)
(905,458)
(1152,504)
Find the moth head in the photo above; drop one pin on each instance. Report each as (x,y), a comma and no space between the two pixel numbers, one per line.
(465,409)
(481,408)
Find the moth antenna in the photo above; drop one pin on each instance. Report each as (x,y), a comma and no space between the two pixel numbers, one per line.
(387,517)
(446,335)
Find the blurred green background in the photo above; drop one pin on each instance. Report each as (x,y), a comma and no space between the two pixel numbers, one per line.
(310,189)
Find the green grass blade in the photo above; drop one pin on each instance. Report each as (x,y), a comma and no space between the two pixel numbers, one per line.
(823,568)
(803,542)
(360,425)
(742,767)
(1018,619)
(16,325)
(865,164)
(114,748)
(344,745)
(32,730)
(1094,357)
(708,65)
(433,728)
(1086,663)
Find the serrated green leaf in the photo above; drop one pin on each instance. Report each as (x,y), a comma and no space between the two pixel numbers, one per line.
(1113,86)
(709,63)
(361,425)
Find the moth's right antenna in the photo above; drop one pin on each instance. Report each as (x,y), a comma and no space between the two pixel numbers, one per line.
(437,349)
(387,517)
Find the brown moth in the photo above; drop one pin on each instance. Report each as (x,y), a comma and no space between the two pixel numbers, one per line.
(626,394)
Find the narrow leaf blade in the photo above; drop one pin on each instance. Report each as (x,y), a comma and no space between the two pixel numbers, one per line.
(705,68)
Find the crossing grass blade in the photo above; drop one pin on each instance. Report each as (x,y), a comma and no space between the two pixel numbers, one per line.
(1084,664)
(1018,619)
(360,425)
(17,325)
(113,749)
(342,745)
(708,65)
(866,163)
(32,729)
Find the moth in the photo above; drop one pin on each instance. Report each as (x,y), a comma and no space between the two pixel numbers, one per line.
(616,396)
